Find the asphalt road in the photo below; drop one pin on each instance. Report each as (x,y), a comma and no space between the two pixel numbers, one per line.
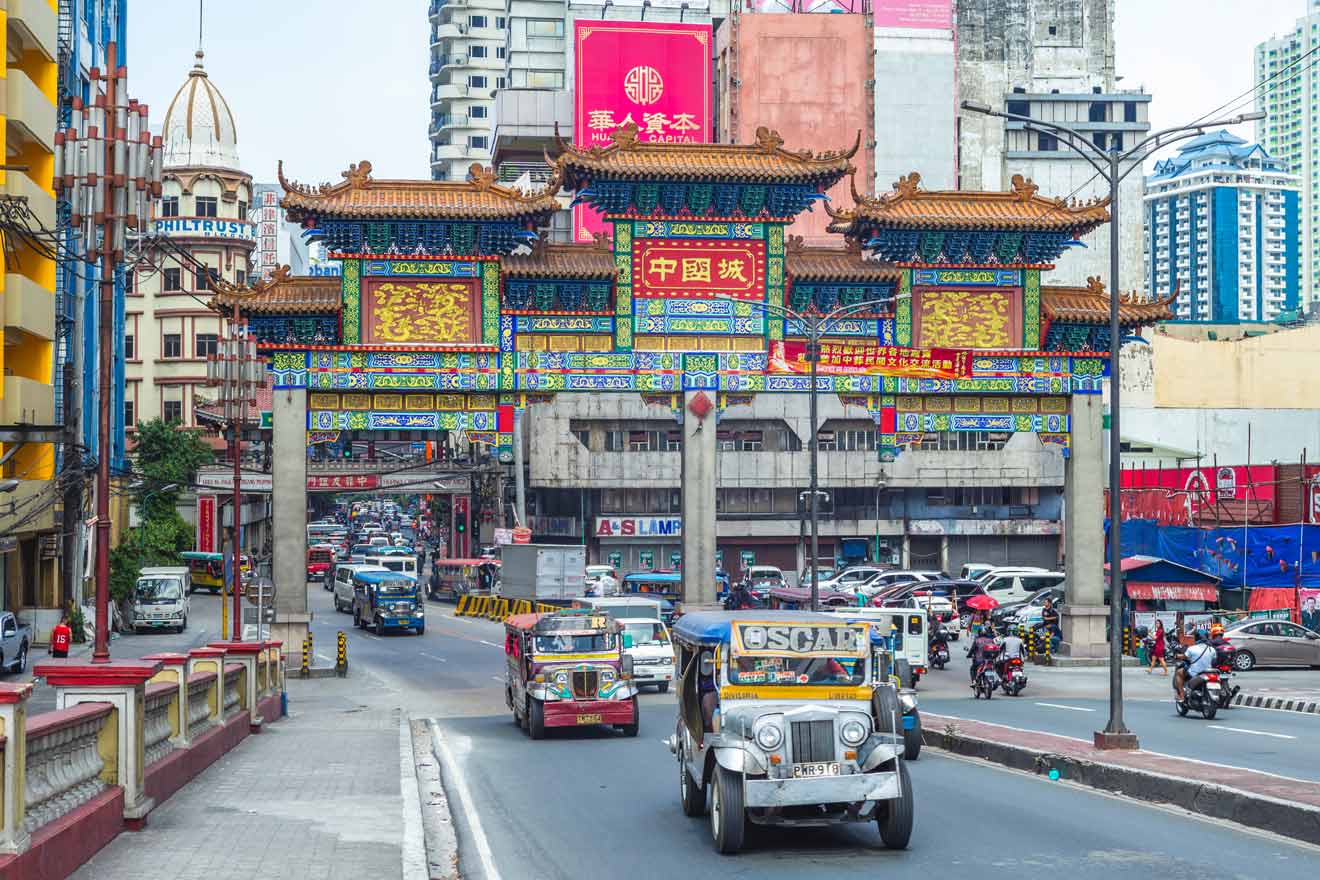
(593,803)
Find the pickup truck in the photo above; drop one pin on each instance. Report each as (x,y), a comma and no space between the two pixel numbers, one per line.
(14,641)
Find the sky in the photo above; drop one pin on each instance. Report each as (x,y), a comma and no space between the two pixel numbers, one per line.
(324,84)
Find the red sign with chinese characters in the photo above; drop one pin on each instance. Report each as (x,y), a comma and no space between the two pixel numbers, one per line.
(652,74)
(344,481)
(205,542)
(843,358)
(664,267)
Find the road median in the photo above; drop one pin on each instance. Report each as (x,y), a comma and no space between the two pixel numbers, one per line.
(1277,804)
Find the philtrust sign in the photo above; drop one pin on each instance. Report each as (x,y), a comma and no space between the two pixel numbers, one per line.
(639,526)
(238,230)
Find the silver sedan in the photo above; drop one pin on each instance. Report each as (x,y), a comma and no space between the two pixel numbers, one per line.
(1273,643)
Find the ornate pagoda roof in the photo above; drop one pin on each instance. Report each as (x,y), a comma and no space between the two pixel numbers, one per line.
(803,263)
(1021,208)
(766,161)
(361,196)
(281,294)
(560,261)
(1090,305)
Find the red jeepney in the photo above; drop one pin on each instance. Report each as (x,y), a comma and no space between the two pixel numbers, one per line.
(568,669)
(320,559)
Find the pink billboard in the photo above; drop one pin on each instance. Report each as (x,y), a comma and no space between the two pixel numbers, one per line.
(654,75)
(923,14)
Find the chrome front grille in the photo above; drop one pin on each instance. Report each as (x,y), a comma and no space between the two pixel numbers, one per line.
(813,741)
(585,684)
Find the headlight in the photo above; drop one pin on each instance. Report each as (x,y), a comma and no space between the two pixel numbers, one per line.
(607,676)
(561,679)
(769,737)
(853,733)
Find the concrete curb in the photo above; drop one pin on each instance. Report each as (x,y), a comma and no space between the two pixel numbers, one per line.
(441,841)
(315,672)
(1280,703)
(1285,818)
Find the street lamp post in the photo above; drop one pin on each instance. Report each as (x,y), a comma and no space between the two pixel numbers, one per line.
(1108,166)
(816,326)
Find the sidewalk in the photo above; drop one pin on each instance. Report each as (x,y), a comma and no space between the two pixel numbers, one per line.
(1279,804)
(315,795)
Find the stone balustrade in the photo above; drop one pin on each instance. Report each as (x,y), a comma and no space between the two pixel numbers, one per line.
(126,735)
(64,768)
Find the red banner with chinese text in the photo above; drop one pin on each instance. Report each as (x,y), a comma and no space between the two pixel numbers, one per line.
(652,74)
(844,358)
(665,267)
(205,540)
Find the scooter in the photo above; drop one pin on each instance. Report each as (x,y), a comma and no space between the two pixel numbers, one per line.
(1224,662)
(939,648)
(1203,698)
(1013,677)
(986,680)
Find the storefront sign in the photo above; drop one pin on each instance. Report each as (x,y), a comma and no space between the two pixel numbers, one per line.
(675,560)
(656,76)
(747,557)
(205,537)
(224,479)
(685,269)
(843,358)
(615,559)
(719,558)
(237,230)
(504,536)
(646,559)
(639,526)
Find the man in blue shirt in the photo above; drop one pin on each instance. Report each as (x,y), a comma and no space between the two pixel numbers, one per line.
(1199,658)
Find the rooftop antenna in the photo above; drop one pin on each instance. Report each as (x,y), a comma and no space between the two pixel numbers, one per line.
(201,16)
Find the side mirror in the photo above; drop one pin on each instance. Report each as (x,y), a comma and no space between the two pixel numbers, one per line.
(627,641)
(707,665)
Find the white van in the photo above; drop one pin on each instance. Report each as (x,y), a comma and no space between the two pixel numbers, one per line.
(404,563)
(160,600)
(646,641)
(910,627)
(344,584)
(622,607)
(1019,585)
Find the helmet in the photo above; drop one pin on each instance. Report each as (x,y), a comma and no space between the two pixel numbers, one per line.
(1201,634)
(1216,629)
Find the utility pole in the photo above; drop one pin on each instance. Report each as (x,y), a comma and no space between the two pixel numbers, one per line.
(108,166)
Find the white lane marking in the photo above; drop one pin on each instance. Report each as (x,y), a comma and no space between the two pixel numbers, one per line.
(454,776)
(1061,706)
(414,841)
(1252,732)
(432,657)
(497,678)
(492,644)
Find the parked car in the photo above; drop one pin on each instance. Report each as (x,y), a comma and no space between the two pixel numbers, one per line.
(972,571)
(1268,643)
(1007,569)
(852,578)
(824,574)
(882,582)
(1008,613)
(1019,586)
(14,641)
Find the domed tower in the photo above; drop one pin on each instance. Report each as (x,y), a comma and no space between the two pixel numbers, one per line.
(201,230)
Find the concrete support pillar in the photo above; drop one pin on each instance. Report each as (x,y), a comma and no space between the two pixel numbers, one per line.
(248,654)
(14,837)
(289,513)
(699,477)
(123,684)
(1083,618)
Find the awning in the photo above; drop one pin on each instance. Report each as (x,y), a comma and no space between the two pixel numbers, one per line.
(1174,592)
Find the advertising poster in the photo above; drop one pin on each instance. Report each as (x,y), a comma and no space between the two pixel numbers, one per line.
(652,74)
(919,14)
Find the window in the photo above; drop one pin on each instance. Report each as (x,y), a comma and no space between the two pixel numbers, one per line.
(130,347)
(206,206)
(240,277)
(242,210)
(1099,140)
(1047,143)
(478,141)
(204,344)
(478,82)
(478,21)
(500,52)
(173,345)
(1020,108)
(169,206)
(545,79)
(500,82)
(478,112)
(1129,111)
(545,28)
(204,276)
(500,22)
(129,407)
(477,51)
(1096,112)
(130,281)
(172,410)
(173,279)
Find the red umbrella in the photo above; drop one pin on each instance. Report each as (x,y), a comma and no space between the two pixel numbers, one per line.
(982,602)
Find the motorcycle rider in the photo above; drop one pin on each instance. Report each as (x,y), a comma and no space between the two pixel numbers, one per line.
(1011,648)
(981,647)
(1195,660)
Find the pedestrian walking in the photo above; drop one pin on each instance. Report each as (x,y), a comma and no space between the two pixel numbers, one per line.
(1157,650)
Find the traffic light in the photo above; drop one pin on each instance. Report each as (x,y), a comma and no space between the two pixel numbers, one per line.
(348,449)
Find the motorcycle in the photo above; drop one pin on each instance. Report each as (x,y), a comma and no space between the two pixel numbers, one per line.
(1224,663)
(986,680)
(1013,677)
(939,648)
(1203,698)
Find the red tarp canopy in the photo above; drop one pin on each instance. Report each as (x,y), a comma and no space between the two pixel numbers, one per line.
(1174,592)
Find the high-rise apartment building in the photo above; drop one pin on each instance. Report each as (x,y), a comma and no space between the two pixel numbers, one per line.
(1287,88)
(1223,227)
(1052,61)
(467,66)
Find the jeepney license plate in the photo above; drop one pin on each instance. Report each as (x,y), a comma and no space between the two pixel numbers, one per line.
(589,719)
(808,771)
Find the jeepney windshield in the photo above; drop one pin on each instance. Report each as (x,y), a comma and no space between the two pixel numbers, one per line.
(573,643)
(646,633)
(159,590)
(789,670)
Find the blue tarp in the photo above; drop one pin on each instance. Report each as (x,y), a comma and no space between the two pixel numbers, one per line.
(1271,557)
